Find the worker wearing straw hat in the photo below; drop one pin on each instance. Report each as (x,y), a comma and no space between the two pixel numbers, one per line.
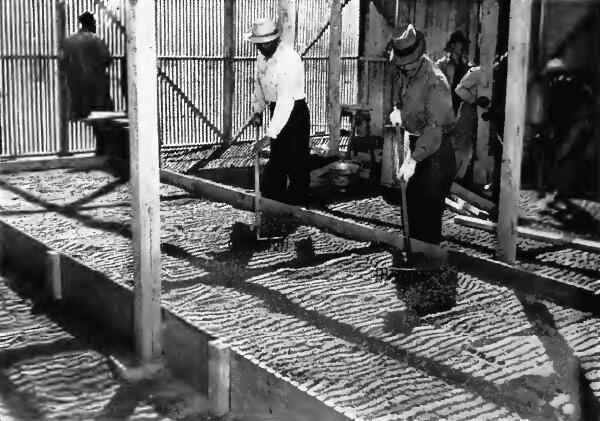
(279,81)
(425,111)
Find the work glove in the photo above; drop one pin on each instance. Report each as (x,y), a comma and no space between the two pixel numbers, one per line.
(396,117)
(256,120)
(261,143)
(407,169)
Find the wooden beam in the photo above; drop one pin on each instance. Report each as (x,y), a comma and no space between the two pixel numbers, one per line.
(143,135)
(287,21)
(245,201)
(558,238)
(472,198)
(335,71)
(597,94)
(514,128)
(484,164)
(228,73)
(62,97)
(564,293)
(52,163)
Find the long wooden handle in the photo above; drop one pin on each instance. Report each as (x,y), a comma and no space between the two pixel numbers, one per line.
(257,189)
(405,225)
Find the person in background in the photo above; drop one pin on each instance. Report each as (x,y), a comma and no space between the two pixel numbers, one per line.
(424,110)
(84,58)
(455,63)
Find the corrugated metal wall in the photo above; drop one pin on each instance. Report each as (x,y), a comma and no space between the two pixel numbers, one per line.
(190,59)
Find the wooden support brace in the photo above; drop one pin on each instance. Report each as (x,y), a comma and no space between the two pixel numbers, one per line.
(53,163)
(54,275)
(219,367)
(472,198)
(245,201)
(547,237)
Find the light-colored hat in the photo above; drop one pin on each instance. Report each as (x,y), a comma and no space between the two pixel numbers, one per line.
(263,30)
(408,47)
(556,64)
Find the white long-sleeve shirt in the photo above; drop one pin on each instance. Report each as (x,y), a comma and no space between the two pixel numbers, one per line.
(278,79)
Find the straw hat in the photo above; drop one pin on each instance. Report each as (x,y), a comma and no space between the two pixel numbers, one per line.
(409,46)
(263,30)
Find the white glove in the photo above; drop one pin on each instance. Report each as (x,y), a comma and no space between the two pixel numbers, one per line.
(407,169)
(396,117)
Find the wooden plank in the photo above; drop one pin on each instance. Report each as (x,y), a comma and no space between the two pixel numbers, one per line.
(472,198)
(514,128)
(53,163)
(245,201)
(335,71)
(287,21)
(558,238)
(144,164)
(484,164)
(564,293)
(228,73)
(63,114)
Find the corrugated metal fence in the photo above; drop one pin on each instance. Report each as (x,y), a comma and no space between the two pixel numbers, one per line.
(190,60)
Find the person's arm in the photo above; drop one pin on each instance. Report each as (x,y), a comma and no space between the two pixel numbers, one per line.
(258,97)
(439,112)
(287,82)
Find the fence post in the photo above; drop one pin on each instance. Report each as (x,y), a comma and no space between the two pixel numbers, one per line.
(228,72)
(335,69)
(287,21)
(63,119)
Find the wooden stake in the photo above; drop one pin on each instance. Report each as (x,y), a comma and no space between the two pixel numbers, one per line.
(228,74)
(287,21)
(143,135)
(53,275)
(335,70)
(484,164)
(219,367)
(514,128)
(63,114)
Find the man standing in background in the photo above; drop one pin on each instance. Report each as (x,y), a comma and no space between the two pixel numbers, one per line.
(455,64)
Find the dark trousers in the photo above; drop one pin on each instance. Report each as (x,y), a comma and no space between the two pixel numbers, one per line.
(426,192)
(288,161)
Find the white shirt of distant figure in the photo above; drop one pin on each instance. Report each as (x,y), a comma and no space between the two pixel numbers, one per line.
(279,78)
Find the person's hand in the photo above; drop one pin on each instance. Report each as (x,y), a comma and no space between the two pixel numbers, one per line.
(256,120)
(261,143)
(483,102)
(396,117)
(407,170)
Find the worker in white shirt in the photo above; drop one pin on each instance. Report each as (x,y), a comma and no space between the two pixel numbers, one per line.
(279,81)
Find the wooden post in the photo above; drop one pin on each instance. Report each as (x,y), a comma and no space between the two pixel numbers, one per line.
(514,127)
(597,94)
(363,65)
(143,138)
(53,275)
(484,164)
(287,21)
(335,70)
(63,117)
(219,359)
(228,73)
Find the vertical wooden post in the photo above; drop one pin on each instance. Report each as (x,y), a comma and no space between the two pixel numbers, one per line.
(219,359)
(143,138)
(63,117)
(54,275)
(228,72)
(335,70)
(363,65)
(484,164)
(514,127)
(287,21)
(597,93)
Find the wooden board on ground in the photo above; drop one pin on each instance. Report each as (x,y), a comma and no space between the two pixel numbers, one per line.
(87,161)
